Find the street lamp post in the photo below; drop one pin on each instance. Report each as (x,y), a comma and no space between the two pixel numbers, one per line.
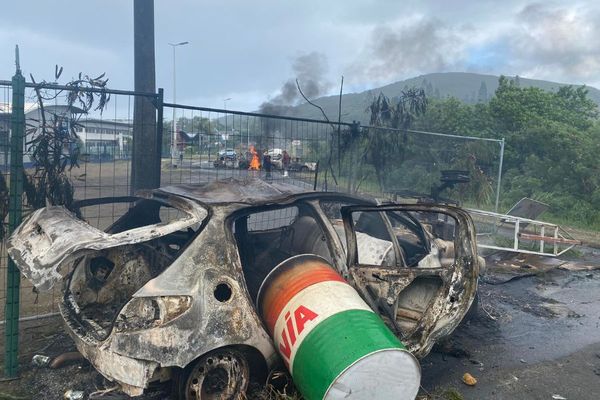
(226,130)
(174,152)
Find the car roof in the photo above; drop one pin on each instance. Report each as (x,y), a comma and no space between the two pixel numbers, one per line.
(250,191)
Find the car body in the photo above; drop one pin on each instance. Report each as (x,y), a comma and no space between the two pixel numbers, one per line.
(295,165)
(169,289)
(228,158)
(228,153)
(227,162)
(275,154)
(302,166)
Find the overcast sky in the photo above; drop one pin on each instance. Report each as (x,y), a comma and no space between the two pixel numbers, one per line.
(246,50)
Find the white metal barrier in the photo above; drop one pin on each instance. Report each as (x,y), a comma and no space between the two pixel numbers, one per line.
(521,235)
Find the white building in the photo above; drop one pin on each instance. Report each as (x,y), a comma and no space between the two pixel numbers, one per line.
(100,139)
(105,139)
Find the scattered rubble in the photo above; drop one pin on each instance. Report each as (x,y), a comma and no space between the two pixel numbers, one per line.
(74,395)
(40,360)
(469,379)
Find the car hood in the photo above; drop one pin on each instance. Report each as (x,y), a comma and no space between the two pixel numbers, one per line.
(51,238)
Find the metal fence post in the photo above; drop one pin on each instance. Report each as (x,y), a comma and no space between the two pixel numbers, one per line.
(354,133)
(499,183)
(160,98)
(13,278)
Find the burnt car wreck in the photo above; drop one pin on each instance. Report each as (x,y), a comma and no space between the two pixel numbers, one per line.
(169,290)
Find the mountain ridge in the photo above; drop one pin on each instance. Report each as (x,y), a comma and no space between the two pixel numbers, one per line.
(465,86)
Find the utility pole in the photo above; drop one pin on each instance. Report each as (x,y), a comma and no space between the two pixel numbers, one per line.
(13,276)
(145,168)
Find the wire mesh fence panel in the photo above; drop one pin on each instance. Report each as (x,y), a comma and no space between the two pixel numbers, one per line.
(5,122)
(205,145)
(402,164)
(209,144)
(88,138)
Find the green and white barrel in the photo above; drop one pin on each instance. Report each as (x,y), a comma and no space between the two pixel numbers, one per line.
(333,344)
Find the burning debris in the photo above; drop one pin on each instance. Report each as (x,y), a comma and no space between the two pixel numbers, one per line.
(255,160)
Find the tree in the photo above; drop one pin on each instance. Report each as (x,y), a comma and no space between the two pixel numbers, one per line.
(385,148)
(552,146)
(427,87)
(52,140)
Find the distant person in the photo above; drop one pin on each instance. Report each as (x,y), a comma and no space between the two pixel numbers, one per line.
(286,159)
(267,165)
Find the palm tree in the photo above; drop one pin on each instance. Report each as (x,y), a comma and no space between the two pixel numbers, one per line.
(386,147)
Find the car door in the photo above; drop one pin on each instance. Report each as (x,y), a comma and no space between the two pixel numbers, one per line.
(416,265)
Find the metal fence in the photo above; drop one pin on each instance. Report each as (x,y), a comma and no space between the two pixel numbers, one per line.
(102,165)
(202,145)
(206,144)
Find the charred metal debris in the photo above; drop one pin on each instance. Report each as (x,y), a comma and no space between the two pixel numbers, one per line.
(169,289)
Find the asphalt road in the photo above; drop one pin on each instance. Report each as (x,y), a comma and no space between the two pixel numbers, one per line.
(536,337)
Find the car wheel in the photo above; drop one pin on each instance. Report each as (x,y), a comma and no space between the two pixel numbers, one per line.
(221,374)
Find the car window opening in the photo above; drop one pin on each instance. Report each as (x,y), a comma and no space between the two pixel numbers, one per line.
(266,238)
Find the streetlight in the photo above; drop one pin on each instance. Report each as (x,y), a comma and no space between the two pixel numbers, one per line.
(225,108)
(174,135)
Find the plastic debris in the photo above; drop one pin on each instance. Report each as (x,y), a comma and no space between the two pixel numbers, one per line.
(469,379)
(40,360)
(73,395)
(558,397)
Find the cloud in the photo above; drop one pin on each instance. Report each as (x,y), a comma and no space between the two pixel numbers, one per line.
(238,100)
(555,41)
(410,47)
(250,54)
(40,52)
(560,42)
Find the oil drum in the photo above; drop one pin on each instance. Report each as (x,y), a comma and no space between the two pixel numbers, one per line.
(331,341)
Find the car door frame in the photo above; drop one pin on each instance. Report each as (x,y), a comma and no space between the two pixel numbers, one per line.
(447,309)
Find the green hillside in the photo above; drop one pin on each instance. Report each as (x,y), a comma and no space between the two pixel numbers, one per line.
(461,85)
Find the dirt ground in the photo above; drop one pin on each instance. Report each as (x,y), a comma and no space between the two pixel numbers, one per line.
(535,335)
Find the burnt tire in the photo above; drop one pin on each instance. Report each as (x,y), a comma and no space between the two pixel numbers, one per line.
(221,374)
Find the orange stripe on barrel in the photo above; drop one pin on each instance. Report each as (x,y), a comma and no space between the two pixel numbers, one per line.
(288,283)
